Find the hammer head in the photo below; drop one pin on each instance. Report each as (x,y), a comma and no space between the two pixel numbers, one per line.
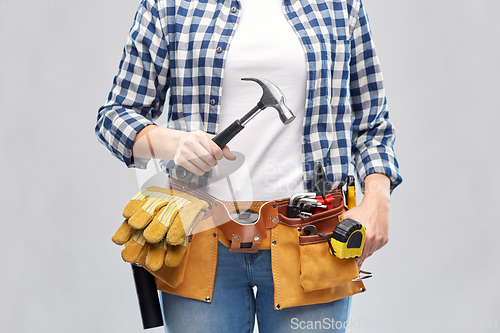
(273,97)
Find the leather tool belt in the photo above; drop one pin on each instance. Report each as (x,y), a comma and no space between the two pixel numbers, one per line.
(244,224)
(304,271)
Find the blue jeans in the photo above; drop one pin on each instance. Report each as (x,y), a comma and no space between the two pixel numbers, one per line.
(233,307)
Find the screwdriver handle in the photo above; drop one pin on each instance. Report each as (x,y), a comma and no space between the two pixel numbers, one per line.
(351,192)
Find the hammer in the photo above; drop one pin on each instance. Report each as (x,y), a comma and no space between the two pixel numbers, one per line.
(271,97)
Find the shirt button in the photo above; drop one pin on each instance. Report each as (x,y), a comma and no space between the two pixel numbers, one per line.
(212,101)
(219,49)
(233,9)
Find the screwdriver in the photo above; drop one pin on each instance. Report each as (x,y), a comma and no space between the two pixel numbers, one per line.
(351,192)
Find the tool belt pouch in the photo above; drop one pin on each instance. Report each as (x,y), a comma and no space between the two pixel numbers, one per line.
(245,236)
(170,276)
(319,269)
(251,219)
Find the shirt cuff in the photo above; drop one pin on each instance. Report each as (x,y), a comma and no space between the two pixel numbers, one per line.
(378,160)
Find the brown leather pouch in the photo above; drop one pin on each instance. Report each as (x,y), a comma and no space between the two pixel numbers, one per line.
(319,269)
(245,237)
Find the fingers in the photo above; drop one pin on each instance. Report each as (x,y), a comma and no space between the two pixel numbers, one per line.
(227,154)
(360,261)
(215,150)
(123,234)
(199,154)
(224,153)
(377,229)
(374,241)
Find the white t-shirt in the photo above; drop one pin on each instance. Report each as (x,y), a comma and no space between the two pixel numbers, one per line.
(265,45)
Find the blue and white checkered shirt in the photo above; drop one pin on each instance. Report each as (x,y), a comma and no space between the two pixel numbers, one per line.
(175,54)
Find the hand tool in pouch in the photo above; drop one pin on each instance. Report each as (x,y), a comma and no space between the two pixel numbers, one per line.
(320,186)
(348,238)
(294,209)
(306,204)
(147,295)
(350,192)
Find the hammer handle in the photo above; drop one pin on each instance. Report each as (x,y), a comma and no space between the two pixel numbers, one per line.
(228,133)
(221,139)
(147,295)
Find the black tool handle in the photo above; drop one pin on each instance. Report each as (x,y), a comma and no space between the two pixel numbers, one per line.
(147,295)
(320,183)
(221,139)
(351,181)
(228,133)
(294,211)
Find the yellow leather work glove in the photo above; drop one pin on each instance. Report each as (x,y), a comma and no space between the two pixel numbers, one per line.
(158,220)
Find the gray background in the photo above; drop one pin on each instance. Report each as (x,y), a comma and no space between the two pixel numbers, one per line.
(62,193)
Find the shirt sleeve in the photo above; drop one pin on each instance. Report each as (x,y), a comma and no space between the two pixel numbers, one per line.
(373,134)
(138,92)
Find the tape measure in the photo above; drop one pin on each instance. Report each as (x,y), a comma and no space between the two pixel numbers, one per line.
(348,239)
